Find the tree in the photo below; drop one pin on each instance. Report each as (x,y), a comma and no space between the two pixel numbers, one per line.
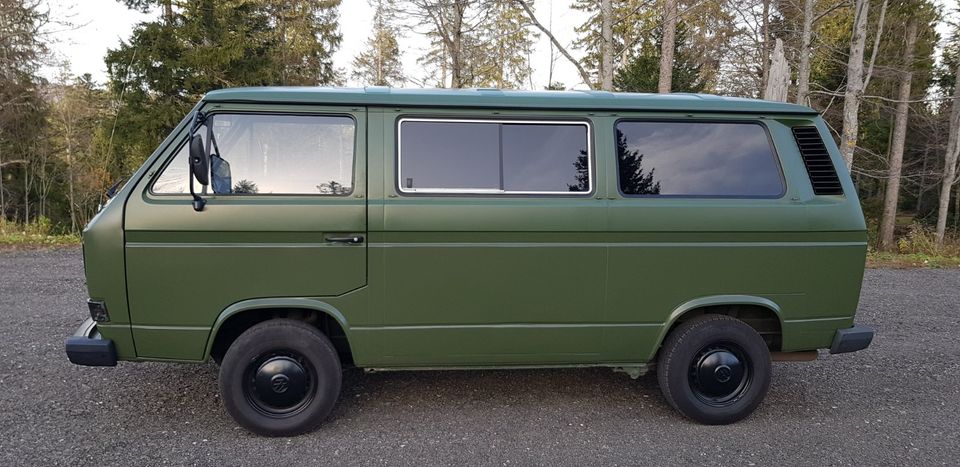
(22,48)
(77,112)
(282,43)
(380,64)
(509,46)
(450,25)
(306,36)
(888,221)
(606,45)
(642,73)
(778,76)
(951,155)
(856,80)
(667,46)
(584,76)
(606,49)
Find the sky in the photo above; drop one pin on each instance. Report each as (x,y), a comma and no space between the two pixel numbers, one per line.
(102,24)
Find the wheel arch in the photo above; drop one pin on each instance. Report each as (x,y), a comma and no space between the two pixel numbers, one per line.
(239,316)
(761,314)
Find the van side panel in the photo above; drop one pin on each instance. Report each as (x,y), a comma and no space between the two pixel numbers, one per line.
(803,252)
(466,280)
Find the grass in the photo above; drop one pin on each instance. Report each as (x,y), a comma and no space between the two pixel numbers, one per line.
(37,234)
(877,259)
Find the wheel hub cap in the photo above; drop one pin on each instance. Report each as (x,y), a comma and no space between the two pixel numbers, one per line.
(280,383)
(718,375)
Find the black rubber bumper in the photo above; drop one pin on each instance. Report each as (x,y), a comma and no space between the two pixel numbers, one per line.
(86,347)
(852,339)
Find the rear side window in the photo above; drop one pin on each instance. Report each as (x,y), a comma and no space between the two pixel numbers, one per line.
(697,159)
(273,154)
(493,157)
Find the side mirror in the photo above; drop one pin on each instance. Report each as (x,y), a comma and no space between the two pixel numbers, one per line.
(199,160)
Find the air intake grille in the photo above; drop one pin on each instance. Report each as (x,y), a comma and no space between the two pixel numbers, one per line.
(823,176)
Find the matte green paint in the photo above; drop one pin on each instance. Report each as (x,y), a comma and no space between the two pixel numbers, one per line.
(468,281)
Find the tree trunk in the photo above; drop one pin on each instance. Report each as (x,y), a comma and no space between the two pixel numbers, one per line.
(923,179)
(606,48)
(949,164)
(851,98)
(778,79)
(168,11)
(889,219)
(667,46)
(765,44)
(803,73)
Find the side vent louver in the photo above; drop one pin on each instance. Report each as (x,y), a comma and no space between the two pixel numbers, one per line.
(823,175)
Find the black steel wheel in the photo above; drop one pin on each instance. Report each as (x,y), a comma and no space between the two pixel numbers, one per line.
(280,378)
(714,369)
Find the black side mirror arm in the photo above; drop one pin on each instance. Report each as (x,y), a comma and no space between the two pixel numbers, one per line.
(198,202)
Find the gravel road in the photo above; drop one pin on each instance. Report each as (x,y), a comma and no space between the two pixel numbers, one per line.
(896,403)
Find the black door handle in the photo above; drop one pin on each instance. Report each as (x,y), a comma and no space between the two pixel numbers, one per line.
(355,239)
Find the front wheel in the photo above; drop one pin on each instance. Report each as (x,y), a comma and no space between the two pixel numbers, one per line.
(280,378)
(714,369)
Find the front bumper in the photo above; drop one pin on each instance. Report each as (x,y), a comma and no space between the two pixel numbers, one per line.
(87,347)
(852,339)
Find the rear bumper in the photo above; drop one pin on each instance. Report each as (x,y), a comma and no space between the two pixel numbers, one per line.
(87,347)
(852,339)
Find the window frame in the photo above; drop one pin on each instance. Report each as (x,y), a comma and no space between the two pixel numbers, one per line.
(591,165)
(766,130)
(186,139)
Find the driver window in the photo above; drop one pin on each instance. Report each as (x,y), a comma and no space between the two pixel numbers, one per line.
(271,154)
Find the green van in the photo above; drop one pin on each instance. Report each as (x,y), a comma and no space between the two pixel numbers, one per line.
(286,233)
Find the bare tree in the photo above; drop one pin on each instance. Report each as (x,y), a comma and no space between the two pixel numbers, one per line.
(584,76)
(856,79)
(667,46)
(949,164)
(889,218)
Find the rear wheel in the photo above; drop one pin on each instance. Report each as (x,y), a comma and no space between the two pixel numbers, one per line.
(280,378)
(714,369)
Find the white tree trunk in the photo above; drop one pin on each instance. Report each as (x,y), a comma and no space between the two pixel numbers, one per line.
(803,73)
(890,200)
(851,98)
(665,85)
(778,78)
(949,164)
(606,48)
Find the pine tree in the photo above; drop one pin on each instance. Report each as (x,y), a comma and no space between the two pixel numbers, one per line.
(505,61)
(642,72)
(380,64)
(207,45)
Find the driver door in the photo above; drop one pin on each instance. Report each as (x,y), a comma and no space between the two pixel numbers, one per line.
(284,222)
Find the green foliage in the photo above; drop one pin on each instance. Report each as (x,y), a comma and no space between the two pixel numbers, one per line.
(642,73)
(380,64)
(210,45)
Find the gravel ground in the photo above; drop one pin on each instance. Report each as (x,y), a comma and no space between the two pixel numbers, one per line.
(895,403)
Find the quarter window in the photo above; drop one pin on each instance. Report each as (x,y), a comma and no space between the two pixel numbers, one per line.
(706,159)
(466,156)
(273,154)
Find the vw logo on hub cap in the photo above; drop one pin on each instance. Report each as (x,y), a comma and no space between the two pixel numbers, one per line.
(280,383)
(722,373)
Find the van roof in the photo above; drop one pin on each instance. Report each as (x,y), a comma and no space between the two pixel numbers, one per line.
(559,100)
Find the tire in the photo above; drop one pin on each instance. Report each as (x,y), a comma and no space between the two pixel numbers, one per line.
(280,378)
(714,369)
